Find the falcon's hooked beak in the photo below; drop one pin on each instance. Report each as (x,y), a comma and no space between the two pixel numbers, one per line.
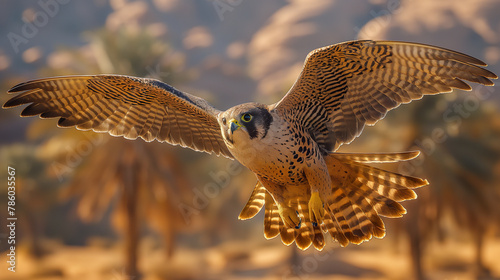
(234,125)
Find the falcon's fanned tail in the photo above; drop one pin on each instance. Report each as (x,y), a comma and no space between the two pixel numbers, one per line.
(360,195)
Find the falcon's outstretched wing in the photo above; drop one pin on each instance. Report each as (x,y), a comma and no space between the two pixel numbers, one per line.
(345,86)
(124,106)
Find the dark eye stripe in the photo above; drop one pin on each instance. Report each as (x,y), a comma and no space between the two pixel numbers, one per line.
(252,130)
(267,120)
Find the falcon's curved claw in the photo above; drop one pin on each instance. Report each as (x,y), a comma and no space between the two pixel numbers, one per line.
(289,216)
(316,208)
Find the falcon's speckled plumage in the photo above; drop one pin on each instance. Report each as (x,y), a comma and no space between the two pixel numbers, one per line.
(307,188)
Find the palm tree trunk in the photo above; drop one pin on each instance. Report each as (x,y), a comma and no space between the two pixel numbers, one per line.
(413,224)
(481,271)
(416,255)
(415,239)
(33,230)
(130,196)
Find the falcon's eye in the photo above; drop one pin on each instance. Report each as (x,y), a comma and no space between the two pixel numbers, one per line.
(246,117)
(224,121)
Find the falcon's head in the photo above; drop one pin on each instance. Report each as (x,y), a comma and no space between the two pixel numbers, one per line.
(244,123)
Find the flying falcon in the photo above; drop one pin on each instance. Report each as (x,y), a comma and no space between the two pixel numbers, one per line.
(307,188)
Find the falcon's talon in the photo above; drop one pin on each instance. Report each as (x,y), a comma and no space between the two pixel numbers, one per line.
(316,208)
(300,224)
(289,216)
(300,220)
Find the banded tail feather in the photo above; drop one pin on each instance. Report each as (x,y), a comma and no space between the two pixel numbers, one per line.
(378,157)
(361,194)
(255,202)
(272,219)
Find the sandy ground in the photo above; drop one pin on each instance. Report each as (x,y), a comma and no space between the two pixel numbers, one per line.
(377,259)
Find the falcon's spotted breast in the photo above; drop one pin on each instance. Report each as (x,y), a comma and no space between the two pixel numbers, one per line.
(307,188)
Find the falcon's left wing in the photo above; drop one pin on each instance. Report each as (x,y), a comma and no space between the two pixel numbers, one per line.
(344,86)
(124,106)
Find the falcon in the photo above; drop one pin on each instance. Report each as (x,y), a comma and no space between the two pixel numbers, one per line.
(307,189)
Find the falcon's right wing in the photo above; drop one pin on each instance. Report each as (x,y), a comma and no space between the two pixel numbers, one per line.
(124,106)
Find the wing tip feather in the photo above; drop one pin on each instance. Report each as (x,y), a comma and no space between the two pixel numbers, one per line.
(13,102)
(20,87)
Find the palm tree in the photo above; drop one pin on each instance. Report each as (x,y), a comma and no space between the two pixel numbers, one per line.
(143,182)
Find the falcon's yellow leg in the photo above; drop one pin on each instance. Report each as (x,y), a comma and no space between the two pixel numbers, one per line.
(316,208)
(321,188)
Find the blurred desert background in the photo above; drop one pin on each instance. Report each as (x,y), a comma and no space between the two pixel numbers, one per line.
(91,206)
